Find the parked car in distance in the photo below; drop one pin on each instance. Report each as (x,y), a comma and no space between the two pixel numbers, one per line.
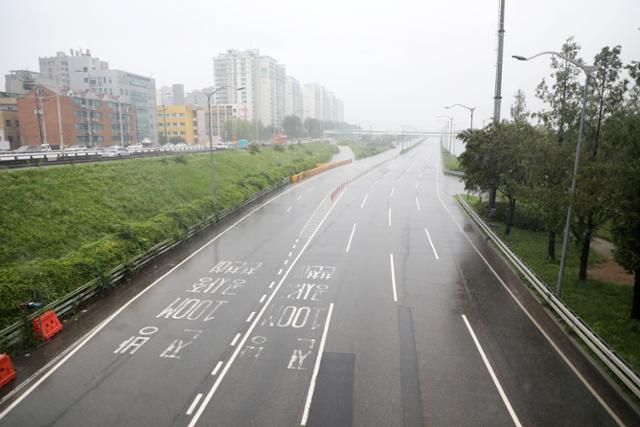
(115,151)
(181,146)
(220,146)
(78,148)
(135,148)
(45,147)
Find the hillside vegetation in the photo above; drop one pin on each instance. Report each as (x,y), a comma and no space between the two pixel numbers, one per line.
(63,226)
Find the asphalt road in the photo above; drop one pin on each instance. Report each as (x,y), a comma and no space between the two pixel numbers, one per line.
(375,305)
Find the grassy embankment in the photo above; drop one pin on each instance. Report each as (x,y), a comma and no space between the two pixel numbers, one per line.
(450,162)
(362,149)
(605,307)
(63,226)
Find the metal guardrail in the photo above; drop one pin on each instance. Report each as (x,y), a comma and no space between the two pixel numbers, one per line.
(596,344)
(14,334)
(48,158)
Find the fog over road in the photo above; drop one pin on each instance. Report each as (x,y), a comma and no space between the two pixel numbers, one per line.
(379,306)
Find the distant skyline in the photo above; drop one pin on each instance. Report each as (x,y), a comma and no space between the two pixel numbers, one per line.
(393,64)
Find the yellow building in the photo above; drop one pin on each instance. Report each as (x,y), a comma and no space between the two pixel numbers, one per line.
(179,123)
(9,123)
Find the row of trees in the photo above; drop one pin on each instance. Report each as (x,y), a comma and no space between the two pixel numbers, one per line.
(292,126)
(532,164)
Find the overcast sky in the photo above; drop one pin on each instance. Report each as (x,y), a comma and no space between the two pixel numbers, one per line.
(393,63)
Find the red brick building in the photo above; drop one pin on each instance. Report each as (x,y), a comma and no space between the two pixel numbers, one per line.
(55,117)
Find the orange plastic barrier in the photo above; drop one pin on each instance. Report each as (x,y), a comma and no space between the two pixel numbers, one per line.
(320,168)
(7,373)
(46,325)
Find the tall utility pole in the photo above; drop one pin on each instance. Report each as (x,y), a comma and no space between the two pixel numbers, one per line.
(497,98)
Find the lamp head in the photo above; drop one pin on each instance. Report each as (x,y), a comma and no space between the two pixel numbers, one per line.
(519,57)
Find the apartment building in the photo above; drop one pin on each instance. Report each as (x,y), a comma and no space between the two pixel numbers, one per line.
(293,98)
(234,69)
(63,118)
(270,96)
(9,122)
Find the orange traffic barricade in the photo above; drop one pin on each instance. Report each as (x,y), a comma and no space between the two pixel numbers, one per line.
(46,325)
(7,373)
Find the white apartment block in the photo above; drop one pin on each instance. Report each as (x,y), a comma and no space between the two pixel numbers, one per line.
(81,71)
(234,69)
(293,98)
(270,96)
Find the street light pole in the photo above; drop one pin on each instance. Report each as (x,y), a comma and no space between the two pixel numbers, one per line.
(450,130)
(471,110)
(213,163)
(588,70)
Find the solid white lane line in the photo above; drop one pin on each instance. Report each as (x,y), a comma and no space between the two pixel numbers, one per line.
(417,204)
(249,331)
(364,201)
(262,298)
(435,253)
(393,278)
(353,230)
(389,217)
(81,342)
(316,368)
(526,312)
(253,313)
(194,404)
(503,395)
(289,209)
(217,368)
(392,190)
(235,339)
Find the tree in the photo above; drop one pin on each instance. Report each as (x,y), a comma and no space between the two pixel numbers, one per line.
(595,179)
(624,129)
(519,113)
(292,126)
(314,127)
(545,183)
(481,153)
(563,96)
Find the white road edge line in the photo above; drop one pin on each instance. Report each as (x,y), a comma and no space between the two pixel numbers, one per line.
(194,403)
(234,355)
(353,230)
(364,201)
(526,312)
(435,253)
(393,278)
(503,395)
(217,368)
(316,368)
(417,204)
(77,345)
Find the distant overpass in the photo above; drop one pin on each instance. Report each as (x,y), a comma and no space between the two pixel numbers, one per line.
(351,132)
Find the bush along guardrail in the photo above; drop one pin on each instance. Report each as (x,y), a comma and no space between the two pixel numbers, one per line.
(620,369)
(21,334)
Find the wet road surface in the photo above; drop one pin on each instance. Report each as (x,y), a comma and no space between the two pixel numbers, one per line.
(374,305)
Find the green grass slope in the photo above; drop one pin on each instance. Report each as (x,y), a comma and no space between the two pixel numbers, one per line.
(63,226)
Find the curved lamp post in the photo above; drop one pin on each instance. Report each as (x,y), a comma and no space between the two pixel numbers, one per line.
(471,110)
(213,165)
(588,70)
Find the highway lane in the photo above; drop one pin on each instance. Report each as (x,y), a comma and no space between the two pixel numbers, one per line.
(371,309)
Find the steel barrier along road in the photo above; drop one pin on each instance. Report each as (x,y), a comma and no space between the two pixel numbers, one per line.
(597,345)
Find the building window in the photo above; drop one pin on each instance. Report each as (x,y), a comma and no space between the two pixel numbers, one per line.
(17,123)
(7,123)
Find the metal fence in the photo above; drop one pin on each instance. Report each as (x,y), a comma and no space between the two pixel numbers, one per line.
(14,335)
(621,369)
